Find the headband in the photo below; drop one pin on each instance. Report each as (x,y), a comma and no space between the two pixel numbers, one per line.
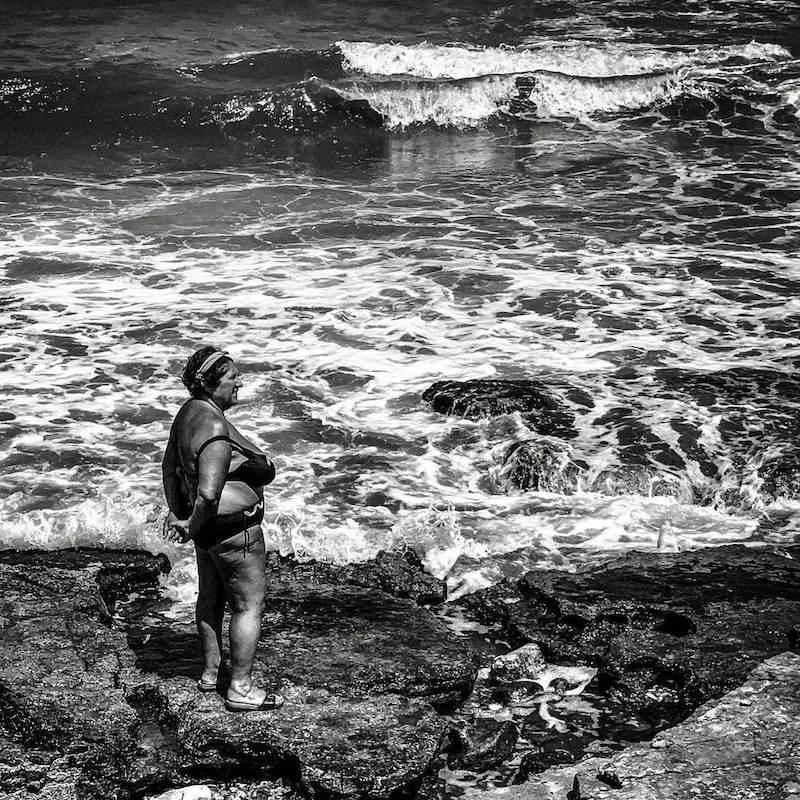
(210,361)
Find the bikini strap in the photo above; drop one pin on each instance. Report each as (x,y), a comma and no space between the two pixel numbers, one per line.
(208,442)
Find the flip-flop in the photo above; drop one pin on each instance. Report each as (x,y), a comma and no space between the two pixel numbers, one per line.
(207,686)
(271,702)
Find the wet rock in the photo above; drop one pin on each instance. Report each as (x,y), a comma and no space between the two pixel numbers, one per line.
(554,751)
(666,632)
(759,723)
(398,574)
(485,744)
(538,465)
(484,398)
(515,693)
(524,663)
(89,710)
(781,479)
(199,792)
(63,672)
(644,480)
(115,573)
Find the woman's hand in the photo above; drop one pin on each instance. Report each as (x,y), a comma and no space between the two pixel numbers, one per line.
(175,529)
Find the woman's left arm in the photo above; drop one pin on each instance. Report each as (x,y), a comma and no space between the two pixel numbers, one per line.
(172,482)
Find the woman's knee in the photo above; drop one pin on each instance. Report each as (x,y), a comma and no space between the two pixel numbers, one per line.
(246,591)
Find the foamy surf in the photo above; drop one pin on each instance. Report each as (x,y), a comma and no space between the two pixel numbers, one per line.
(578,59)
(609,211)
(459,86)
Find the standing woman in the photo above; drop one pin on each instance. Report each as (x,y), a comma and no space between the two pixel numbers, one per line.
(213,481)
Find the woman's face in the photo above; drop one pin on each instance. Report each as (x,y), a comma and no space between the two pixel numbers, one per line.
(227,393)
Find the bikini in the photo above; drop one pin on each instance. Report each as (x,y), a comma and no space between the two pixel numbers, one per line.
(256,471)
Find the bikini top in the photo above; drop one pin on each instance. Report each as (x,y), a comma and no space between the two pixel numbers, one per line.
(256,471)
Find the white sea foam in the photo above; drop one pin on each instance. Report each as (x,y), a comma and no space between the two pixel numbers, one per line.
(577,58)
(458,105)
(142,271)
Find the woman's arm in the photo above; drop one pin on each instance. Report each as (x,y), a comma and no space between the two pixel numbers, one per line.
(212,467)
(172,481)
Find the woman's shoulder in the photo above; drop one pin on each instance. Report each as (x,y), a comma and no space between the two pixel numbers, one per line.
(197,419)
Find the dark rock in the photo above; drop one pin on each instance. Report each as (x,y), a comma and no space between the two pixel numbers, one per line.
(117,572)
(432,786)
(341,746)
(485,744)
(354,642)
(515,692)
(524,663)
(610,778)
(541,757)
(645,480)
(484,398)
(781,479)
(63,672)
(667,632)
(538,465)
(360,671)
(92,711)
(741,746)
(398,574)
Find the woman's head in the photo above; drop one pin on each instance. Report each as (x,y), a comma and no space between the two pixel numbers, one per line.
(204,370)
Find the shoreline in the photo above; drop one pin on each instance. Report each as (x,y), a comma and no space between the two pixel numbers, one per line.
(384,695)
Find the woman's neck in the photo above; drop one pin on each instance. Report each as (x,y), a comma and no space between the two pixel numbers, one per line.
(212,403)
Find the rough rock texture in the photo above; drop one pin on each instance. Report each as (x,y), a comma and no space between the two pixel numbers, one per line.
(524,663)
(64,716)
(88,710)
(667,632)
(399,576)
(483,745)
(483,398)
(538,465)
(745,746)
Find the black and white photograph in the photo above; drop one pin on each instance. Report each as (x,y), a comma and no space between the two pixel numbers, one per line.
(401,400)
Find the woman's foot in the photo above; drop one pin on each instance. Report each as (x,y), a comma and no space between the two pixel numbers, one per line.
(253,700)
(209,680)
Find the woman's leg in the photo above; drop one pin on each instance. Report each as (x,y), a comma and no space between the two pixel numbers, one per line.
(209,612)
(242,560)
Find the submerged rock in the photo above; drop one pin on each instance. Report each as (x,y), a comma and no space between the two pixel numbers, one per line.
(524,663)
(483,745)
(483,398)
(758,722)
(666,632)
(781,479)
(647,481)
(538,465)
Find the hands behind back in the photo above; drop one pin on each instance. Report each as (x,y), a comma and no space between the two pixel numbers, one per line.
(175,529)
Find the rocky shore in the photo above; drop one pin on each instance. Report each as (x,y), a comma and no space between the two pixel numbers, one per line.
(623,675)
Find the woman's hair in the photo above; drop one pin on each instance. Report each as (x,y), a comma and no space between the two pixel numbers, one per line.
(196,380)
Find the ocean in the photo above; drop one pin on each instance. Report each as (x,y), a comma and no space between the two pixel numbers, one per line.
(358,199)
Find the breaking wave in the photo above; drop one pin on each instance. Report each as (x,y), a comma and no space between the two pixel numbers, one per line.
(366,85)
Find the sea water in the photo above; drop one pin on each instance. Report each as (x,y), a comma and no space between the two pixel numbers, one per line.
(358,199)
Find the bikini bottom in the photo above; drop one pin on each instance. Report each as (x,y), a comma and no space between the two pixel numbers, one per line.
(222,526)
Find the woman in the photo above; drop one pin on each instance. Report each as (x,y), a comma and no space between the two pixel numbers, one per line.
(213,481)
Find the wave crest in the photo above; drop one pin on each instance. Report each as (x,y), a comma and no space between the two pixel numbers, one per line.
(455,62)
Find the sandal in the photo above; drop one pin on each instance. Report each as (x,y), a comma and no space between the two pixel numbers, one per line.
(270,702)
